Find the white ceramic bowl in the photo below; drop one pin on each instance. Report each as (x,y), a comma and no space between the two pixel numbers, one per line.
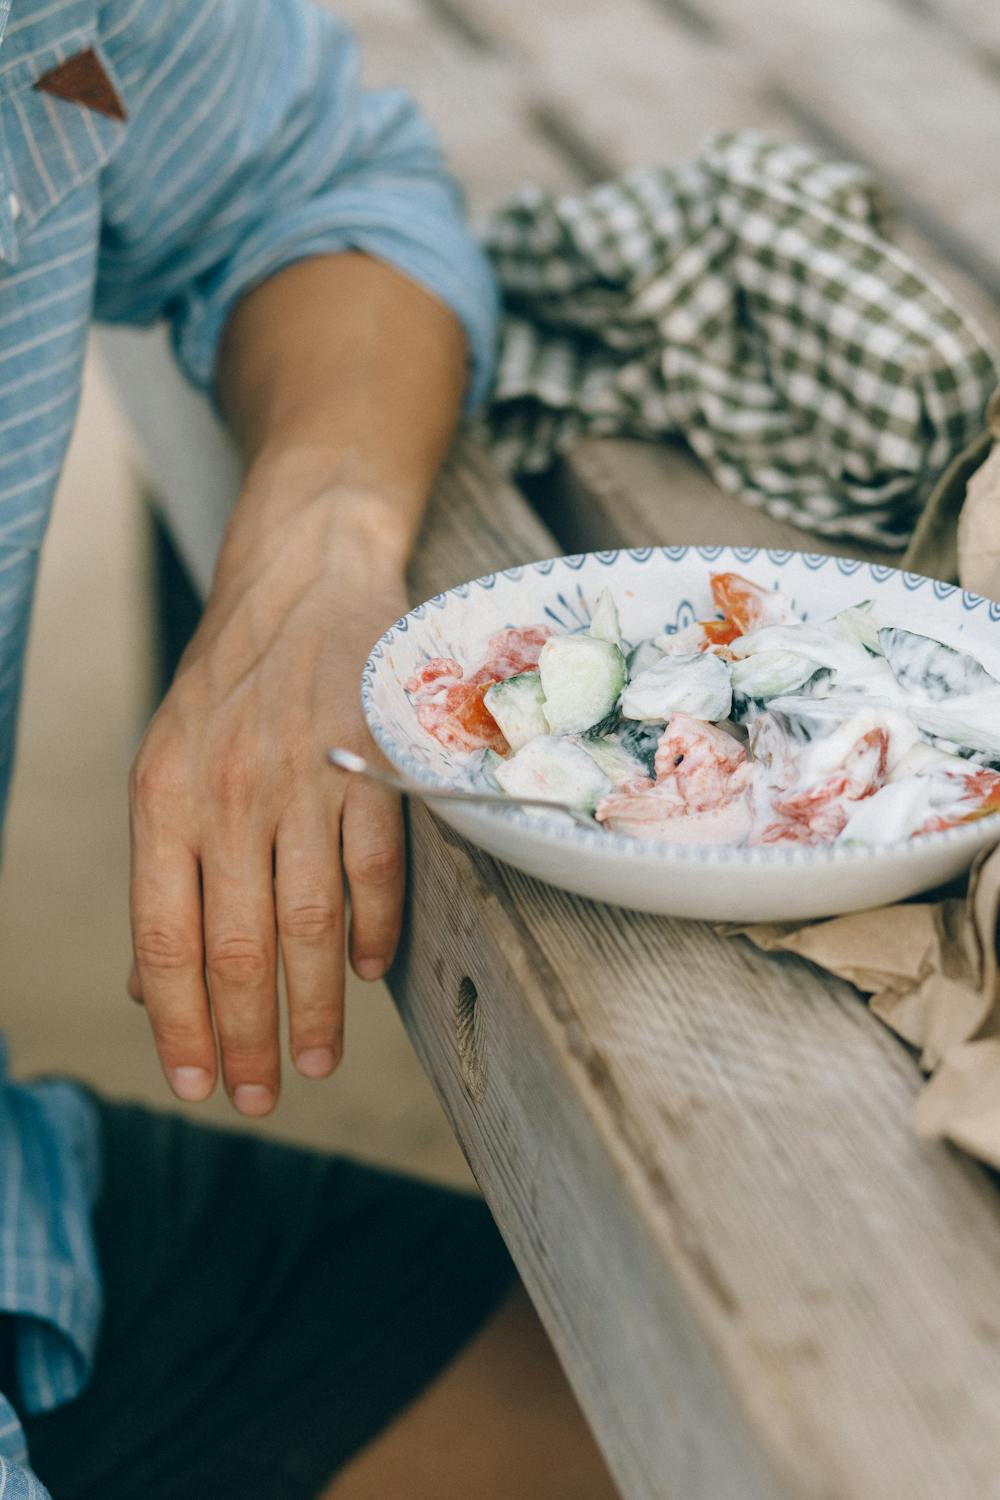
(656,589)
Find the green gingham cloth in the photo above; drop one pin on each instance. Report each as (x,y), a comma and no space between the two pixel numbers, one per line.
(750,302)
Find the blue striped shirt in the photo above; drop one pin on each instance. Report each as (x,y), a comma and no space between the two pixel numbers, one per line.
(248,144)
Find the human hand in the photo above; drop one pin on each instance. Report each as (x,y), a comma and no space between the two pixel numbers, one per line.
(241,835)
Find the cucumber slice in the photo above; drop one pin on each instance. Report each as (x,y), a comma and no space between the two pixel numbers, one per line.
(822,731)
(549,767)
(607,726)
(768,674)
(617,763)
(517,706)
(803,718)
(582,679)
(695,685)
(488,767)
(641,740)
(644,656)
(931,669)
(604,624)
(840,652)
(969,723)
(859,623)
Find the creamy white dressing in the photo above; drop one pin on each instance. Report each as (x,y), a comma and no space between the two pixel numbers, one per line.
(681,642)
(851,729)
(696,685)
(730,824)
(892,813)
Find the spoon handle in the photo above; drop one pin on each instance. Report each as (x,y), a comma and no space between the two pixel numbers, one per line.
(346,760)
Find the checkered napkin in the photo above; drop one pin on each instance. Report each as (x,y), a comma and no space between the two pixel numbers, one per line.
(750,302)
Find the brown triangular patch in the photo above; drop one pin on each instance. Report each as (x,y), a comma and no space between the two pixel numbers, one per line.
(82,80)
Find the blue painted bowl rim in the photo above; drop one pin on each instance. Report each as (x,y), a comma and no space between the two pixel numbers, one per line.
(570,835)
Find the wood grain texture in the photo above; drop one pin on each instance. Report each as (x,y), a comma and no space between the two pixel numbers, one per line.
(617,493)
(651,1383)
(969,24)
(477,521)
(636,83)
(476,97)
(761,1283)
(642,82)
(639,82)
(902,94)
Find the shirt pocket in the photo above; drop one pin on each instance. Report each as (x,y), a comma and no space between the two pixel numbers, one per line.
(49,147)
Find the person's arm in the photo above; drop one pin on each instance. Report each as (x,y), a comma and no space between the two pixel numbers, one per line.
(308,248)
(344,383)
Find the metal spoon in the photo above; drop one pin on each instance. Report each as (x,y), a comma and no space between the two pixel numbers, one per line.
(346,760)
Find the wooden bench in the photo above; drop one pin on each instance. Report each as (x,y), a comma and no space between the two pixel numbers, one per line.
(761,1283)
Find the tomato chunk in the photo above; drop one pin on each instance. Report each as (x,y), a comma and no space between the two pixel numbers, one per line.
(742,604)
(720,632)
(980,797)
(819,813)
(515,650)
(452,710)
(705,766)
(438,672)
(984,789)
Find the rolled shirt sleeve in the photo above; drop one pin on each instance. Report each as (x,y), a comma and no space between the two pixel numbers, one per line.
(251,145)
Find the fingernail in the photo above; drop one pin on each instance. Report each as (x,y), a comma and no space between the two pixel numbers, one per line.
(253,1099)
(371,968)
(315,1062)
(191,1084)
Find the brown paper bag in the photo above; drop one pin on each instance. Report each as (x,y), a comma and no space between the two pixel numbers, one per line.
(930,968)
(959,540)
(979,521)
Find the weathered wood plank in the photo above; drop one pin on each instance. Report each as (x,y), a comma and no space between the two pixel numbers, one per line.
(700,1156)
(621,1320)
(760,1281)
(638,82)
(974,24)
(923,111)
(635,83)
(615,493)
(471,92)
(476,521)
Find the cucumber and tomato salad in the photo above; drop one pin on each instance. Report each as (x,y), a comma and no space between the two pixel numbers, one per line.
(567,716)
(755,727)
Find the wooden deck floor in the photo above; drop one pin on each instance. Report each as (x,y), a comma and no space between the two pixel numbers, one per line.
(567,92)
